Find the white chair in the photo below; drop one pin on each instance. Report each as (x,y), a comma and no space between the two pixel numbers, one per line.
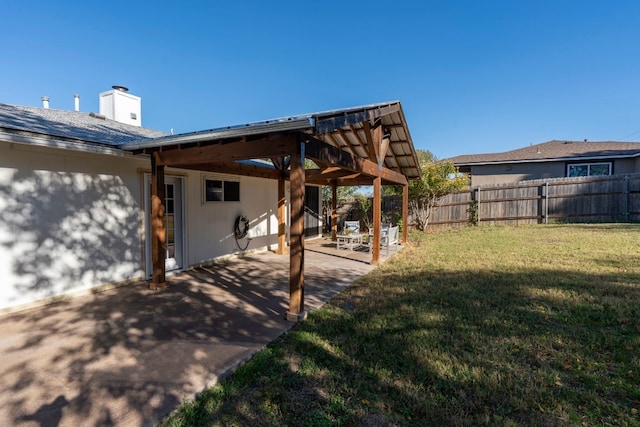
(353,227)
(390,238)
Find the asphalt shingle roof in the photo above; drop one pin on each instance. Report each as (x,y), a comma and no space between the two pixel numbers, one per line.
(553,150)
(75,125)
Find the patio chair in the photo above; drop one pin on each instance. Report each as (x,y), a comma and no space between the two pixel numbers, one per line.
(353,227)
(390,238)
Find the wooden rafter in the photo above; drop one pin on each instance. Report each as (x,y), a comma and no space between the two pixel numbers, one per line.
(362,143)
(392,154)
(369,137)
(346,139)
(316,148)
(334,141)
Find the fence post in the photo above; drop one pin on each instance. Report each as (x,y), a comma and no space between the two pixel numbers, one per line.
(546,202)
(625,200)
(477,200)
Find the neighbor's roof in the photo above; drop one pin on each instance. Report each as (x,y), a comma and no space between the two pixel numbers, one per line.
(343,128)
(71,125)
(554,151)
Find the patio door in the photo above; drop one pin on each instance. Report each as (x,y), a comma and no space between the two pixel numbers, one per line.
(174,222)
(311,211)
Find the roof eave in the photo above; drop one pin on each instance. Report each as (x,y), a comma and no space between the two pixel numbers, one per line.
(221,133)
(546,160)
(49,141)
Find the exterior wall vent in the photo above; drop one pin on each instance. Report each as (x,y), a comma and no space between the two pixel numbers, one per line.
(119,105)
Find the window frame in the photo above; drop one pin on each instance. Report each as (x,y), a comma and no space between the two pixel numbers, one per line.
(589,166)
(226,189)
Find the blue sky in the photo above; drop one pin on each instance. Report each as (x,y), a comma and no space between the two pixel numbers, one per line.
(472,76)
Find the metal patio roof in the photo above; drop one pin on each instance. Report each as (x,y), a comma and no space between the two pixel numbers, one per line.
(348,129)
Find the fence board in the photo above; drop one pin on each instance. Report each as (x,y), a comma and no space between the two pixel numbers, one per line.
(585,199)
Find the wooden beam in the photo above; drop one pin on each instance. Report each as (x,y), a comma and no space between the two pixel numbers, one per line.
(158,231)
(318,175)
(335,156)
(377,220)
(271,146)
(362,143)
(377,146)
(296,236)
(393,153)
(280,163)
(368,134)
(360,180)
(384,147)
(334,210)
(344,136)
(235,168)
(333,140)
(405,212)
(282,218)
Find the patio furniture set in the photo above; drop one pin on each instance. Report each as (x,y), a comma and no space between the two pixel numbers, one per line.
(351,238)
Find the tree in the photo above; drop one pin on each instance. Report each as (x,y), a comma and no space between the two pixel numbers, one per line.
(343,193)
(365,203)
(439,178)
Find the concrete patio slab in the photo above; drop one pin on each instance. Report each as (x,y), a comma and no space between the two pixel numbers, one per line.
(128,356)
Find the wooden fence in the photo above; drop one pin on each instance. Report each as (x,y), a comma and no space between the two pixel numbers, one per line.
(586,199)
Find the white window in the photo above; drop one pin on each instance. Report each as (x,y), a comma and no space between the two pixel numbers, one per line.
(589,169)
(218,190)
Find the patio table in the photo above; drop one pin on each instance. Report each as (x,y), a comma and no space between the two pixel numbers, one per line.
(348,240)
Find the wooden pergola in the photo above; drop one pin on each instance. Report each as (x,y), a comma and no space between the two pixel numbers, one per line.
(367,145)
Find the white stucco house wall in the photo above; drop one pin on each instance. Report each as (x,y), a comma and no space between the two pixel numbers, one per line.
(74,207)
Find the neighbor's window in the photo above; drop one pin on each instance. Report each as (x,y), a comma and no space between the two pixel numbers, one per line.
(589,169)
(217,190)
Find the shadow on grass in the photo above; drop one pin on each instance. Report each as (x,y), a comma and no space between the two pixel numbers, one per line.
(541,347)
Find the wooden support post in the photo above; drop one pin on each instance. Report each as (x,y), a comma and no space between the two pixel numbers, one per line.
(377,220)
(282,213)
(158,231)
(296,237)
(405,212)
(334,210)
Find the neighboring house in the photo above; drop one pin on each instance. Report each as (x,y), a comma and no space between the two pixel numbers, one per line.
(76,191)
(553,159)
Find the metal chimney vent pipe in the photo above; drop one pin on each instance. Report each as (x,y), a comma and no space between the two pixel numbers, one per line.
(76,99)
(45,101)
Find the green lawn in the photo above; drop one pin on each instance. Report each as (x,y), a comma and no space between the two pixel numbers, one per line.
(530,325)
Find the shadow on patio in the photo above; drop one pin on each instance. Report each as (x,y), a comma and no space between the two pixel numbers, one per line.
(129,355)
(361,254)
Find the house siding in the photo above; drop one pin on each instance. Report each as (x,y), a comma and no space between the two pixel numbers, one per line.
(482,175)
(73,221)
(625,166)
(68,221)
(210,225)
(504,173)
